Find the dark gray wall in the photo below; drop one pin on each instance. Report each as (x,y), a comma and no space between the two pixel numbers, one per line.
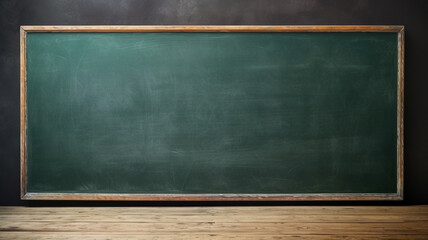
(412,14)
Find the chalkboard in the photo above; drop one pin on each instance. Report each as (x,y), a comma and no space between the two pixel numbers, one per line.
(211,112)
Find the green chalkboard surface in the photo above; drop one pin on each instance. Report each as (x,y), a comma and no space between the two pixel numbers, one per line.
(218,113)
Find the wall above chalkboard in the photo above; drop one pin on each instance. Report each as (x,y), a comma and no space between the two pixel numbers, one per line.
(212,112)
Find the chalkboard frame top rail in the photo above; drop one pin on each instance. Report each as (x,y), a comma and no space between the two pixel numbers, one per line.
(215,28)
(399,29)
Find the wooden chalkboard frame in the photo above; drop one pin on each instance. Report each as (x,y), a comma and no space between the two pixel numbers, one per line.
(212,197)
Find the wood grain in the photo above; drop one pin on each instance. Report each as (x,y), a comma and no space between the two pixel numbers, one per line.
(210,197)
(92,236)
(23,111)
(284,222)
(218,28)
(400,115)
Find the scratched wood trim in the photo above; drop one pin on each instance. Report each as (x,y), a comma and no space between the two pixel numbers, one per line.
(216,28)
(400,115)
(217,197)
(23,111)
(212,197)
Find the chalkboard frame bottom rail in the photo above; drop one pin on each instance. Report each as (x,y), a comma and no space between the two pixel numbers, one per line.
(399,29)
(212,197)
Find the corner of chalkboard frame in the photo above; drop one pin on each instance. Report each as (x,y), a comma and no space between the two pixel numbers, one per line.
(398,196)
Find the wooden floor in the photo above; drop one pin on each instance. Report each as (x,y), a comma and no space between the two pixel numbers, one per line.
(303,222)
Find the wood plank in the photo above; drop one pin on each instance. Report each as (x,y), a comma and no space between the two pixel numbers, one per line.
(260,228)
(287,222)
(94,236)
(245,217)
(268,210)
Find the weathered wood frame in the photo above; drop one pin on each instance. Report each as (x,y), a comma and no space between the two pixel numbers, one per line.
(215,197)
